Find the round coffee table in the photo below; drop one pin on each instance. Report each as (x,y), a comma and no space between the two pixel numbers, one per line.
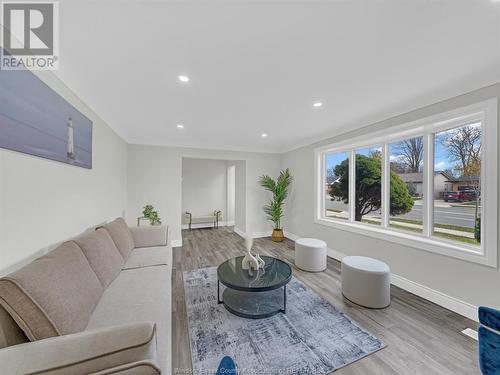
(254,294)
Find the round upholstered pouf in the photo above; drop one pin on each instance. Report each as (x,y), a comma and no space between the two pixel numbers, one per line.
(310,254)
(366,281)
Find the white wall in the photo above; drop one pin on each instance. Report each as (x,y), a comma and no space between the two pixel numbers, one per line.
(43,202)
(154,175)
(231,193)
(469,282)
(204,186)
(240,201)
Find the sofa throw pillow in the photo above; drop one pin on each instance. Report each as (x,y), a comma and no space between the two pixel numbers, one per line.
(102,254)
(53,295)
(121,235)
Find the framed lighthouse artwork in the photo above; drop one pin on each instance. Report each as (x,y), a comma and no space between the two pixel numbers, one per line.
(36,120)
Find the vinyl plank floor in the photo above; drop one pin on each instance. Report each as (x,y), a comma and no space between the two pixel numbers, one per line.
(421,337)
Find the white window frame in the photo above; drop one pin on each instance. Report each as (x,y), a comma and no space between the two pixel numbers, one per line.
(486,253)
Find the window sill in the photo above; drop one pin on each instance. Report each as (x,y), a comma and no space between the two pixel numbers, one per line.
(442,247)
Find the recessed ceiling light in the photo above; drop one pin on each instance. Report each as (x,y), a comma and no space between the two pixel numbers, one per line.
(180,126)
(317,104)
(183,78)
(263,135)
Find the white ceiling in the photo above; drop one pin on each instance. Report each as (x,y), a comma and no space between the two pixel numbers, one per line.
(257,66)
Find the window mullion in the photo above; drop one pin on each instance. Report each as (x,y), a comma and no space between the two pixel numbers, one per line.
(428,180)
(321,191)
(422,179)
(385,186)
(352,185)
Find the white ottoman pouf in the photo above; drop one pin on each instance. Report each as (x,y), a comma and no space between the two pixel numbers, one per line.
(366,281)
(310,254)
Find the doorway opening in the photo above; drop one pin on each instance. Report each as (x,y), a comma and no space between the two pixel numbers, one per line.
(213,193)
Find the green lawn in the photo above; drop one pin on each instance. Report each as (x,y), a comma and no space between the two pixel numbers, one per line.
(333,210)
(454,237)
(465,204)
(437,225)
(417,230)
(409,221)
(368,221)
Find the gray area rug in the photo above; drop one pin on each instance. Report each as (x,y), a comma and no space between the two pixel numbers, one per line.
(312,338)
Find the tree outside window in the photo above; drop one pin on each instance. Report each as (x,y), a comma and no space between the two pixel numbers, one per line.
(368,198)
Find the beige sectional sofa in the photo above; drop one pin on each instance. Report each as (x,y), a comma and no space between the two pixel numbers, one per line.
(98,304)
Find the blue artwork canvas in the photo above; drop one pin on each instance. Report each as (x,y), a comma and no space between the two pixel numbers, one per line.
(35,120)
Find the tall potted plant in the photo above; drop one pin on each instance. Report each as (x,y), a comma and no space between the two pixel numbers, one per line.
(274,209)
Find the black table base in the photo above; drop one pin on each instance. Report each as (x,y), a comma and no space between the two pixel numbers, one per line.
(253,305)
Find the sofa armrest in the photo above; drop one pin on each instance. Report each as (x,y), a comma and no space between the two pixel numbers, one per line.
(84,352)
(154,235)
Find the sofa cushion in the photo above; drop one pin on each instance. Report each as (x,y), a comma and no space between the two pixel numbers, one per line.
(134,368)
(120,233)
(88,352)
(10,333)
(139,295)
(148,257)
(53,295)
(154,235)
(102,254)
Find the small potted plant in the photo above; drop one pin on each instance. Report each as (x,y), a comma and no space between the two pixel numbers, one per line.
(274,209)
(151,214)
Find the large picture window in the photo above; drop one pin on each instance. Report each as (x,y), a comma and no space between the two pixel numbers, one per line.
(430,184)
(457,184)
(368,193)
(406,159)
(337,186)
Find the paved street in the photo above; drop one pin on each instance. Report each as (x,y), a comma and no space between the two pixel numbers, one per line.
(443,213)
(463,216)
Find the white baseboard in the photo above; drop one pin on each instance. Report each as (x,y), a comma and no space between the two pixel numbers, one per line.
(451,303)
(207,225)
(268,233)
(240,233)
(335,254)
(176,243)
(262,234)
(290,236)
(471,333)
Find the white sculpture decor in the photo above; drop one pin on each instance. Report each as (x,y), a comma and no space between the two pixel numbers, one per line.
(250,261)
(261,261)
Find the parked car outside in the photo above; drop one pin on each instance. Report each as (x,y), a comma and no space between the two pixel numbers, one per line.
(459,196)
